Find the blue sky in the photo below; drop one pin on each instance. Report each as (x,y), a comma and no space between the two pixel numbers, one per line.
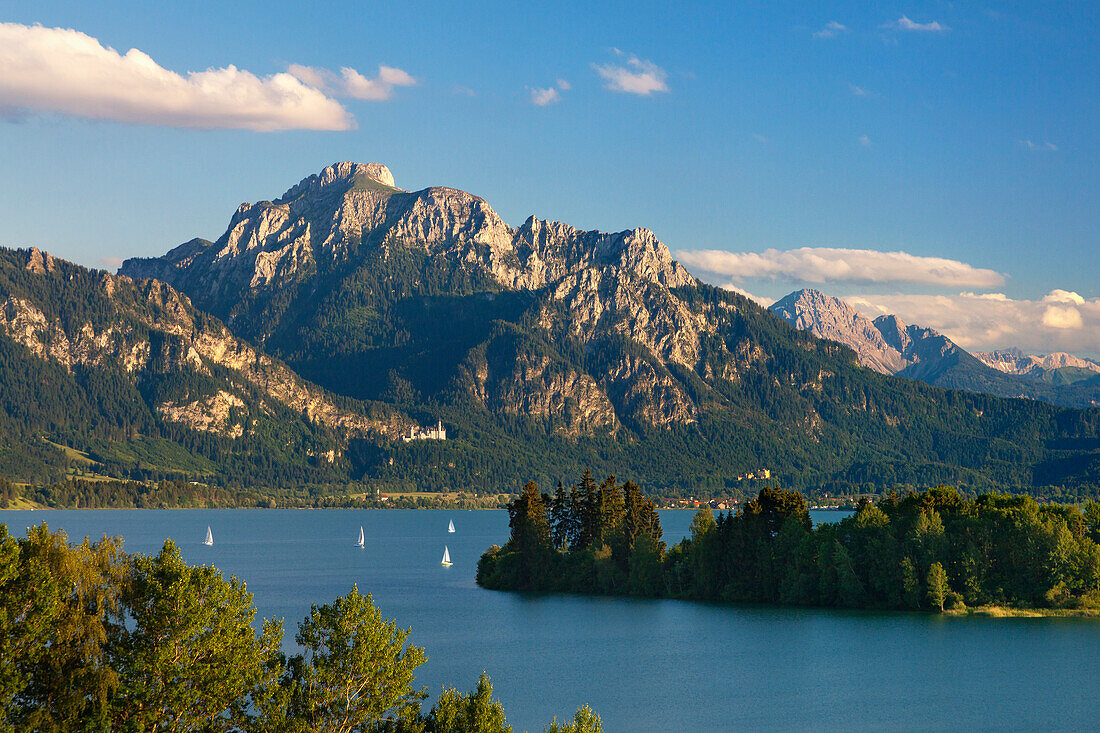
(811,137)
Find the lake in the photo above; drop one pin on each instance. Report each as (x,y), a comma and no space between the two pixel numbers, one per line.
(641,664)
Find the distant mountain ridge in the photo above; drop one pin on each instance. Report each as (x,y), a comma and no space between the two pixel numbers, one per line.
(1015,361)
(889,346)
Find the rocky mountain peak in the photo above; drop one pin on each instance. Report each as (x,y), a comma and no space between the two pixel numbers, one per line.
(40,262)
(349,215)
(805,307)
(893,329)
(343,175)
(832,318)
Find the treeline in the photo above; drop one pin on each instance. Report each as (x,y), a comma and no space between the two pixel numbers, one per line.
(111,494)
(179,494)
(93,639)
(929,550)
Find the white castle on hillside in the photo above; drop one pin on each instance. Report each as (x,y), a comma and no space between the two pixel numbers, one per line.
(436,433)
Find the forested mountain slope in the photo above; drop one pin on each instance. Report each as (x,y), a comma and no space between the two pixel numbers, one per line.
(105,375)
(544,347)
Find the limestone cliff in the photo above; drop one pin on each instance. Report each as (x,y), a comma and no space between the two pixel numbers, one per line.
(147,328)
(263,274)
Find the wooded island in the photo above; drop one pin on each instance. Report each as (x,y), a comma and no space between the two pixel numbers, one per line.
(931,550)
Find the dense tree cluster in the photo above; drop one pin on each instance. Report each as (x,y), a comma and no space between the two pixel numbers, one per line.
(604,537)
(93,639)
(929,550)
(8,493)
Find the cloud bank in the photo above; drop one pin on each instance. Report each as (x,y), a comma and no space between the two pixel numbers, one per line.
(1060,321)
(637,76)
(58,70)
(819,265)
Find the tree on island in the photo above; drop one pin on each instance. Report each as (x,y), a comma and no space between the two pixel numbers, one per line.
(937,586)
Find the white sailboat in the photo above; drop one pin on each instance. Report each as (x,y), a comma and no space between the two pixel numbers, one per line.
(209,537)
(446,557)
(451,526)
(361,538)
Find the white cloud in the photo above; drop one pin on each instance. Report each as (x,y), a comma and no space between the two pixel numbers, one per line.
(638,76)
(904,24)
(350,83)
(759,299)
(983,322)
(832,29)
(1063,296)
(759,138)
(819,265)
(865,141)
(59,70)
(857,91)
(1045,147)
(551,95)
(1056,317)
(543,97)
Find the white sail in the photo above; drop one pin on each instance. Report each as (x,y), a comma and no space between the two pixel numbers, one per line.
(446,556)
(209,537)
(451,526)
(361,538)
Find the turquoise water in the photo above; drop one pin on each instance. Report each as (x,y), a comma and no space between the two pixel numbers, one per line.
(643,665)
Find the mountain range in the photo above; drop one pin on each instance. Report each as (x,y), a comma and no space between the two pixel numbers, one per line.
(1058,367)
(323,325)
(890,346)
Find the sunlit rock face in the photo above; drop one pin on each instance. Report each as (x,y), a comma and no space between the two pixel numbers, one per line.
(276,255)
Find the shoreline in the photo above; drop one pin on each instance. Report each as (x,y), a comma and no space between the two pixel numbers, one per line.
(1010,612)
(953,613)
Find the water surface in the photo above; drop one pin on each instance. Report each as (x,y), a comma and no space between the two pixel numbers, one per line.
(643,665)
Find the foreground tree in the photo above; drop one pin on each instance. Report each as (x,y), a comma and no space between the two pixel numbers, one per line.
(58,605)
(476,712)
(584,721)
(92,640)
(356,673)
(188,658)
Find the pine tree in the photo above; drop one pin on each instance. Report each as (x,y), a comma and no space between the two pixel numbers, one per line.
(527,518)
(559,518)
(589,523)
